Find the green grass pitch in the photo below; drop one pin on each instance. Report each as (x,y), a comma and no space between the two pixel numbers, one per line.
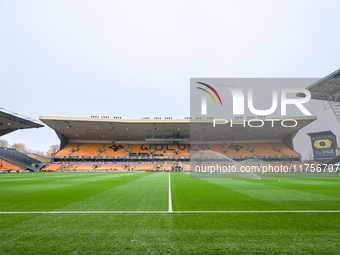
(128,213)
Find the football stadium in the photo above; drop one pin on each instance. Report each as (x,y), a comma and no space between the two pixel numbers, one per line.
(131,186)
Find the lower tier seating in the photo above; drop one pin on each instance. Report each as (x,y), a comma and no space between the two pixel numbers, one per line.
(160,166)
(6,166)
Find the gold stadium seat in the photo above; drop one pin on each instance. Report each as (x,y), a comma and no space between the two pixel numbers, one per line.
(52,167)
(88,149)
(170,150)
(263,149)
(79,167)
(285,149)
(4,165)
(111,167)
(67,150)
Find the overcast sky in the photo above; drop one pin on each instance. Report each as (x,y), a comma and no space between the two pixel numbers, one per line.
(136,58)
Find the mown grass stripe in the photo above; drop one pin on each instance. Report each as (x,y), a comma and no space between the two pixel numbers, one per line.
(170,199)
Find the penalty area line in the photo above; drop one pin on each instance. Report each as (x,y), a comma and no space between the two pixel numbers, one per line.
(165,212)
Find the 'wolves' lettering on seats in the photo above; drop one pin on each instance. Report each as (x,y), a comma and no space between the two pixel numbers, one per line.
(145,147)
(169,149)
(180,145)
(158,147)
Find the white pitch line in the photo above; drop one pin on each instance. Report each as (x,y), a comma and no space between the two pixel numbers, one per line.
(170,200)
(165,212)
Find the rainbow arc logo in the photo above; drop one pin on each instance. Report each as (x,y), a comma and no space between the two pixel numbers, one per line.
(209,93)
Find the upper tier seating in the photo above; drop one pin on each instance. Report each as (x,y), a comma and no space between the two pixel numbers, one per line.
(237,150)
(263,149)
(143,148)
(285,149)
(182,149)
(88,149)
(67,150)
(174,150)
(135,148)
(115,150)
(171,150)
(216,148)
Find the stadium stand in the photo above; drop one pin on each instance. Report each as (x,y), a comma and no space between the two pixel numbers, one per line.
(52,167)
(10,159)
(46,160)
(135,148)
(120,150)
(110,167)
(216,148)
(20,159)
(87,167)
(238,150)
(171,150)
(145,167)
(158,145)
(115,150)
(146,148)
(68,149)
(159,148)
(184,150)
(285,150)
(263,149)
(89,149)
(175,150)
(6,166)
(101,150)
(186,167)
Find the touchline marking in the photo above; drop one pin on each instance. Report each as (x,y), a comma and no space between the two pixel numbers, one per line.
(165,212)
(170,200)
